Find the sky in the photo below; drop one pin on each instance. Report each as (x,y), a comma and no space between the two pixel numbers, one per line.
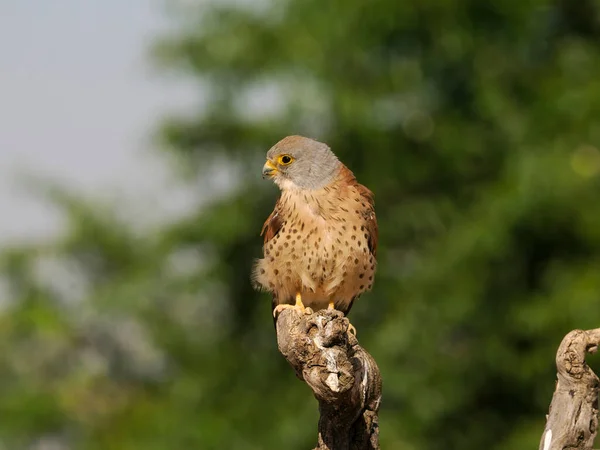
(79,102)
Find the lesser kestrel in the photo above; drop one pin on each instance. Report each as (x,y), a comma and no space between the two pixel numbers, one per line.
(320,242)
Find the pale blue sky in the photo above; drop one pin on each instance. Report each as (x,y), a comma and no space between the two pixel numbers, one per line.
(78,102)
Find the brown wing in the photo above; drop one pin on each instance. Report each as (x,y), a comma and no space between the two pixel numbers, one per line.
(273,224)
(347,177)
(370,218)
(270,229)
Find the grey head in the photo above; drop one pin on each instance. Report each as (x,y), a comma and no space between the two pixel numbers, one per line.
(300,162)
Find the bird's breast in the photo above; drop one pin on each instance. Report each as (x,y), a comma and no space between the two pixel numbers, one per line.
(321,250)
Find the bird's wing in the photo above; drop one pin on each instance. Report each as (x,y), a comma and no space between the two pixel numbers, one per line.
(270,229)
(368,211)
(370,218)
(273,223)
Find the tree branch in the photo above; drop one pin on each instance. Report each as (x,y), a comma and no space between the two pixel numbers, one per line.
(343,377)
(573,418)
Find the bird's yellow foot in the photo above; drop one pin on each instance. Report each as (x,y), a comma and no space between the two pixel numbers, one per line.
(298,306)
(351,328)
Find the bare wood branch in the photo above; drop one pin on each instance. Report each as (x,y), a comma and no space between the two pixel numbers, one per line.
(572,422)
(344,378)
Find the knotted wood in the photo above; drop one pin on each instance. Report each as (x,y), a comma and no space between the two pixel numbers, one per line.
(344,378)
(572,421)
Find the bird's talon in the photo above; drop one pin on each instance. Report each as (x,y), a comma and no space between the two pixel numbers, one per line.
(298,307)
(281,307)
(351,329)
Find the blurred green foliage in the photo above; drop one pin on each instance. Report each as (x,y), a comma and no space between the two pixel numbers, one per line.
(475,124)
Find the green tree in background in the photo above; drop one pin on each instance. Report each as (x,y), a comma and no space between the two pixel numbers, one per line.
(475,124)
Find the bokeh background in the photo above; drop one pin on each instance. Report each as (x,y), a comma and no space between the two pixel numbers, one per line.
(132,140)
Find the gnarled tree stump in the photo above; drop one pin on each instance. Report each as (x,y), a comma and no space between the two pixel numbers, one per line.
(343,377)
(573,418)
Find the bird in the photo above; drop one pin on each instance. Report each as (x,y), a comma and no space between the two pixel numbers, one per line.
(320,241)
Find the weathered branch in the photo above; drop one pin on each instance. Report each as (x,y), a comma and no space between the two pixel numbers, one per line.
(573,418)
(343,377)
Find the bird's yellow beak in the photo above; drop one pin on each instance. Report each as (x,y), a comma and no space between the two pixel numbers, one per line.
(269,170)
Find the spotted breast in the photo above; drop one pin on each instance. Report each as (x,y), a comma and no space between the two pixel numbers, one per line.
(320,243)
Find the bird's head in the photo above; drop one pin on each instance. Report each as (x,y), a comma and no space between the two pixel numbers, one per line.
(301,163)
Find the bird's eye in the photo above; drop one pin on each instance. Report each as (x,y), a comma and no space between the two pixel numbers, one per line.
(284,160)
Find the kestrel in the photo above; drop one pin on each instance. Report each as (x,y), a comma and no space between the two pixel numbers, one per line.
(320,241)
